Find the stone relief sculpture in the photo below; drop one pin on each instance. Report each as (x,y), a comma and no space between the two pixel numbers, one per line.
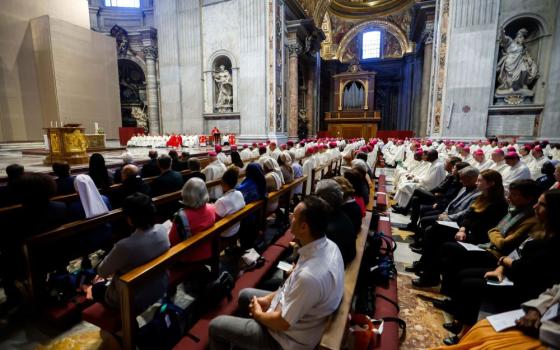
(224,88)
(141,117)
(517,70)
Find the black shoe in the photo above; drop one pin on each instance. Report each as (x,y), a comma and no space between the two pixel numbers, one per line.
(416,248)
(442,304)
(454,327)
(411,227)
(415,268)
(424,282)
(451,340)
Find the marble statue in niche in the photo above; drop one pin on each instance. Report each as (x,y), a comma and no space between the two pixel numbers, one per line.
(121,37)
(224,89)
(517,70)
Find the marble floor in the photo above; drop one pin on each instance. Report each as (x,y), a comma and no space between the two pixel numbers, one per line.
(12,153)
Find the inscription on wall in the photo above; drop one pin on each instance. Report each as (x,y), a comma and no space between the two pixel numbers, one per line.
(519,125)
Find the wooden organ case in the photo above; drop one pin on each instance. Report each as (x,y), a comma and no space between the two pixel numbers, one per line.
(353,101)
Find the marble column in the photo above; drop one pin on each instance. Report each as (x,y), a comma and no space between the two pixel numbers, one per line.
(309,99)
(426,82)
(294,50)
(150,54)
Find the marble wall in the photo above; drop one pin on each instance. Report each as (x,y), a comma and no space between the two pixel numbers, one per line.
(465,56)
(54,68)
(20,107)
(191,35)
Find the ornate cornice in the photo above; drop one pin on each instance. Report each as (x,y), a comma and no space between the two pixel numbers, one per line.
(294,49)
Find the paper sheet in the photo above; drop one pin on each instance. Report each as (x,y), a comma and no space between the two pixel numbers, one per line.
(505,282)
(384,218)
(505,320)
(471,247)
(284,266)
(451,224)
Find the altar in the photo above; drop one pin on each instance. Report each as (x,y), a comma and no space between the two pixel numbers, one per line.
(353,97)
(66,144)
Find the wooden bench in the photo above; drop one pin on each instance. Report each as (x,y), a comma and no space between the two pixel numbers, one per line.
(337,325)
(381,194)
(98,314)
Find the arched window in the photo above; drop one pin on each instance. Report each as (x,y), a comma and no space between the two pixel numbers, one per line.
(122,3)
(371,44)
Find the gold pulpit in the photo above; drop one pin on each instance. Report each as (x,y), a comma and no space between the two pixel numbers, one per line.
(353,99)
(66,144)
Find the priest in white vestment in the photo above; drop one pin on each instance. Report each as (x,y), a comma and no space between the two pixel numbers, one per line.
(498,161)
(517,170)
(432,178)
(481,163)
(535,166)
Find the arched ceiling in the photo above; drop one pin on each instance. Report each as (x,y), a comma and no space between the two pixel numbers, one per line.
(357,9)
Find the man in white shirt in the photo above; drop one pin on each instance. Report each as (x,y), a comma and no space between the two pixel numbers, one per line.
(232,200)
(535,165)
(294,316)
(214,170)
(480,161)
(517,170)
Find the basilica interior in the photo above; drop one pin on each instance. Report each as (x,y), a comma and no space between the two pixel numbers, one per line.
(124,78)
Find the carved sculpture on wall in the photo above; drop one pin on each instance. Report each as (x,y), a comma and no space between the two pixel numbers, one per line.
(141,117)
(517,70)
(224,89)
(121,37)
(302,124)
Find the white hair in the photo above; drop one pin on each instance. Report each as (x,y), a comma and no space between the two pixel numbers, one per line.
(194,193)
(126,158)
(359,164)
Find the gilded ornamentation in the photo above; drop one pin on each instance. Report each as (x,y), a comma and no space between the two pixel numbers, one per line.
(440,73)
(75,142)
(55,143)
(367,8)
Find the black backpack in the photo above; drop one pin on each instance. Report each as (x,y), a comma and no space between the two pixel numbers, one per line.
(166,328)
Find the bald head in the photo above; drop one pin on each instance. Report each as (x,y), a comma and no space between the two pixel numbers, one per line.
(129,170)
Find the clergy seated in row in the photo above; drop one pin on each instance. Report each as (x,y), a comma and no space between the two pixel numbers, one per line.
(483,214)
(529,268)
(516,169)
(433,176)
(441,194)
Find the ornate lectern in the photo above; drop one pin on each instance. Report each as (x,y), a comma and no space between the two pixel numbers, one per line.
(353,97)
(67,144)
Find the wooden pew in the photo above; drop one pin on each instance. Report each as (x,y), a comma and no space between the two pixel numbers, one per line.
(337,325)
(130,281)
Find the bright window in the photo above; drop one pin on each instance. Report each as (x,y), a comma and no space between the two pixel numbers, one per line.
(122,3)
(371,44)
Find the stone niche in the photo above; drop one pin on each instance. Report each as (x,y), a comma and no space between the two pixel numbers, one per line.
(221,94)
(521,71)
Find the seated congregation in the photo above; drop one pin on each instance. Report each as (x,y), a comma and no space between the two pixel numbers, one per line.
(109,244)
(487,232)
(93,233)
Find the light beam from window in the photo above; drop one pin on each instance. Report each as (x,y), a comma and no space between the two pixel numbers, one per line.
(122,3)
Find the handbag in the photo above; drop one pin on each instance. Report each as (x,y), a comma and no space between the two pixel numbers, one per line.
(183,226)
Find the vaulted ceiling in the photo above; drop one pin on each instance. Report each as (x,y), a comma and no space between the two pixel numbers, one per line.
(352,9)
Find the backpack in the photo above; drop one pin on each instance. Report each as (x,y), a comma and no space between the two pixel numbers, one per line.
(183,226)
(165,329)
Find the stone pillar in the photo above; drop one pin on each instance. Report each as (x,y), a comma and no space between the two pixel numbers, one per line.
(426,82)
(309,99)
(294,50)
(150,54)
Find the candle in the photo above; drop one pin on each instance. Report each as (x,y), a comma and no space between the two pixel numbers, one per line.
(51,123)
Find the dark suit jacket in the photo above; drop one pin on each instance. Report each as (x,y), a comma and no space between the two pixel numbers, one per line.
(169,181)
(340,230)
(150,169)
(65,185)
(128,187)
(192,174)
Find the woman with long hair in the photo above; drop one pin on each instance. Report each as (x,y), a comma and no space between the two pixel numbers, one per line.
(253,189)
(236,159)
(98,171)
(532,267)
(483,214)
